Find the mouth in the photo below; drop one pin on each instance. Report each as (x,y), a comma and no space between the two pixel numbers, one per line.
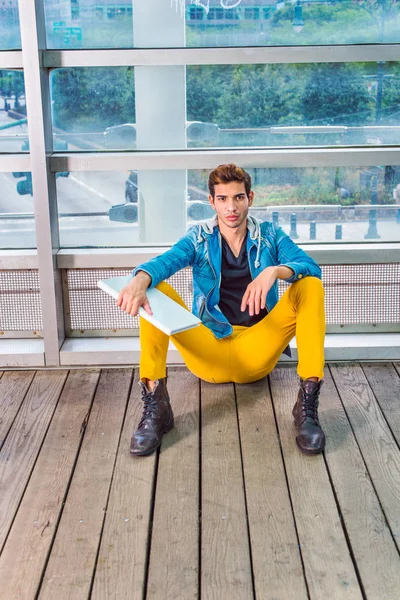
(232,217)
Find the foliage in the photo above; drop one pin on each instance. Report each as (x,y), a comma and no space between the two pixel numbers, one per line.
(335,95)
(92,98)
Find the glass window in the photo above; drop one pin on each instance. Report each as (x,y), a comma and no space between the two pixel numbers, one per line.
(88,24)
(109,24)
(235,105)
(313,205)
(296,23)
(294,105)
(17,222)
(10,38)
(196,13)
(13,121)
(93,108)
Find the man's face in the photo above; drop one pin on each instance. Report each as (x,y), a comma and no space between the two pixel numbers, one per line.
(231,203)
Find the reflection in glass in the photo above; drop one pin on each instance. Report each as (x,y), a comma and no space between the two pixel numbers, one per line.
(93,108)
(13,121)
(17,225)
(10,38)
(312,205)
(294,23)
(218,23)
(296,105)
(335,104)
(88,24)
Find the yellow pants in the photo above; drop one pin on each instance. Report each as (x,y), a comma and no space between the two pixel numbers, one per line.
(250,353)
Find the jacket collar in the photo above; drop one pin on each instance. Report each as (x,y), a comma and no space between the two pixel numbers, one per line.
(210,228)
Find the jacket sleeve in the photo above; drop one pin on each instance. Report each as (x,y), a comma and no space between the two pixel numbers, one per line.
(290,255)
(179,256)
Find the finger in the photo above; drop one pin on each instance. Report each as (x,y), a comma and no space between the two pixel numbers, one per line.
(134,308)
(147,307)
(244,300)
(263,301)
(250,302)
(257,302)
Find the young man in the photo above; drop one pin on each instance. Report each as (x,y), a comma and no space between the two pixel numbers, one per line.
(236,261)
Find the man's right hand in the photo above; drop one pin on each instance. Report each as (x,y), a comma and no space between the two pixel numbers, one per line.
(133,295)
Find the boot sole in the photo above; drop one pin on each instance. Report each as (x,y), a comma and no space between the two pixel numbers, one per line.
(147,452)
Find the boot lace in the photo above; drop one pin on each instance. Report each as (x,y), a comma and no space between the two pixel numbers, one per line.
(149,408)
(309,405)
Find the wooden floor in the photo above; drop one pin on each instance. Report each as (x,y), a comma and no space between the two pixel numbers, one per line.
(228,509)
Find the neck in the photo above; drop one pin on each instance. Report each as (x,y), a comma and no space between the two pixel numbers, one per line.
(234,235)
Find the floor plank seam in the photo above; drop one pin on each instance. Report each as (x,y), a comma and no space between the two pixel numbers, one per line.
(288,488)
(83,433)
(345,532)
(199,500)
(380,408)
(2,442)
(245,495)
(34,462)
(111,482)
(151,520)
(365,463)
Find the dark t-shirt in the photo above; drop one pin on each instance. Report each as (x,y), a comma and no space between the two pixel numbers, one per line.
(235,277)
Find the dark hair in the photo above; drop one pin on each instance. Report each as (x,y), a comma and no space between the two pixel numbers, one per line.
(226,174)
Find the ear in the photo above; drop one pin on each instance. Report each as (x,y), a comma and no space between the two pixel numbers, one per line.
(251,198)
(211,200)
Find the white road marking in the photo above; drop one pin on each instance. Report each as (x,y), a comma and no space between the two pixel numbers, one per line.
(86,186)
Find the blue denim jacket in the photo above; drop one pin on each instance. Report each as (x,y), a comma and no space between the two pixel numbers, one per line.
(200,248)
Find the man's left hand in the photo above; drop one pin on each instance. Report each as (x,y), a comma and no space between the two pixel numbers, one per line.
(255,296)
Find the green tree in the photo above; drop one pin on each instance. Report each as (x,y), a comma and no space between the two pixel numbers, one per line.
(92,98)
(335,94)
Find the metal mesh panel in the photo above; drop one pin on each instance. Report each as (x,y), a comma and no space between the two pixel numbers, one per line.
(92,309)
(360,294)
(354,294)
(20,306)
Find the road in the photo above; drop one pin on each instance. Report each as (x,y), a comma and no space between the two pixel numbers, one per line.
(94,192)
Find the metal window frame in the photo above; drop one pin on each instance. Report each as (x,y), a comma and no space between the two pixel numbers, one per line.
(324,254)
(33,38)
(11,59)
(15,162)
(221,56)
(43,164)
(246,157)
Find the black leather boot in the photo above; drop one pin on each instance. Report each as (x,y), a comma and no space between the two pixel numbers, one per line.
(157,419)
(310,437)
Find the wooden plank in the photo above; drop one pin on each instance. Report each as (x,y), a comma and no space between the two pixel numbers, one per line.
(385,383)
(373,547)
(225,551)
(173,570)
(121,566)
(19,452)
(379,449)
(327,562)
(278,571)
(72,559)
(30,538)
(13,388)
